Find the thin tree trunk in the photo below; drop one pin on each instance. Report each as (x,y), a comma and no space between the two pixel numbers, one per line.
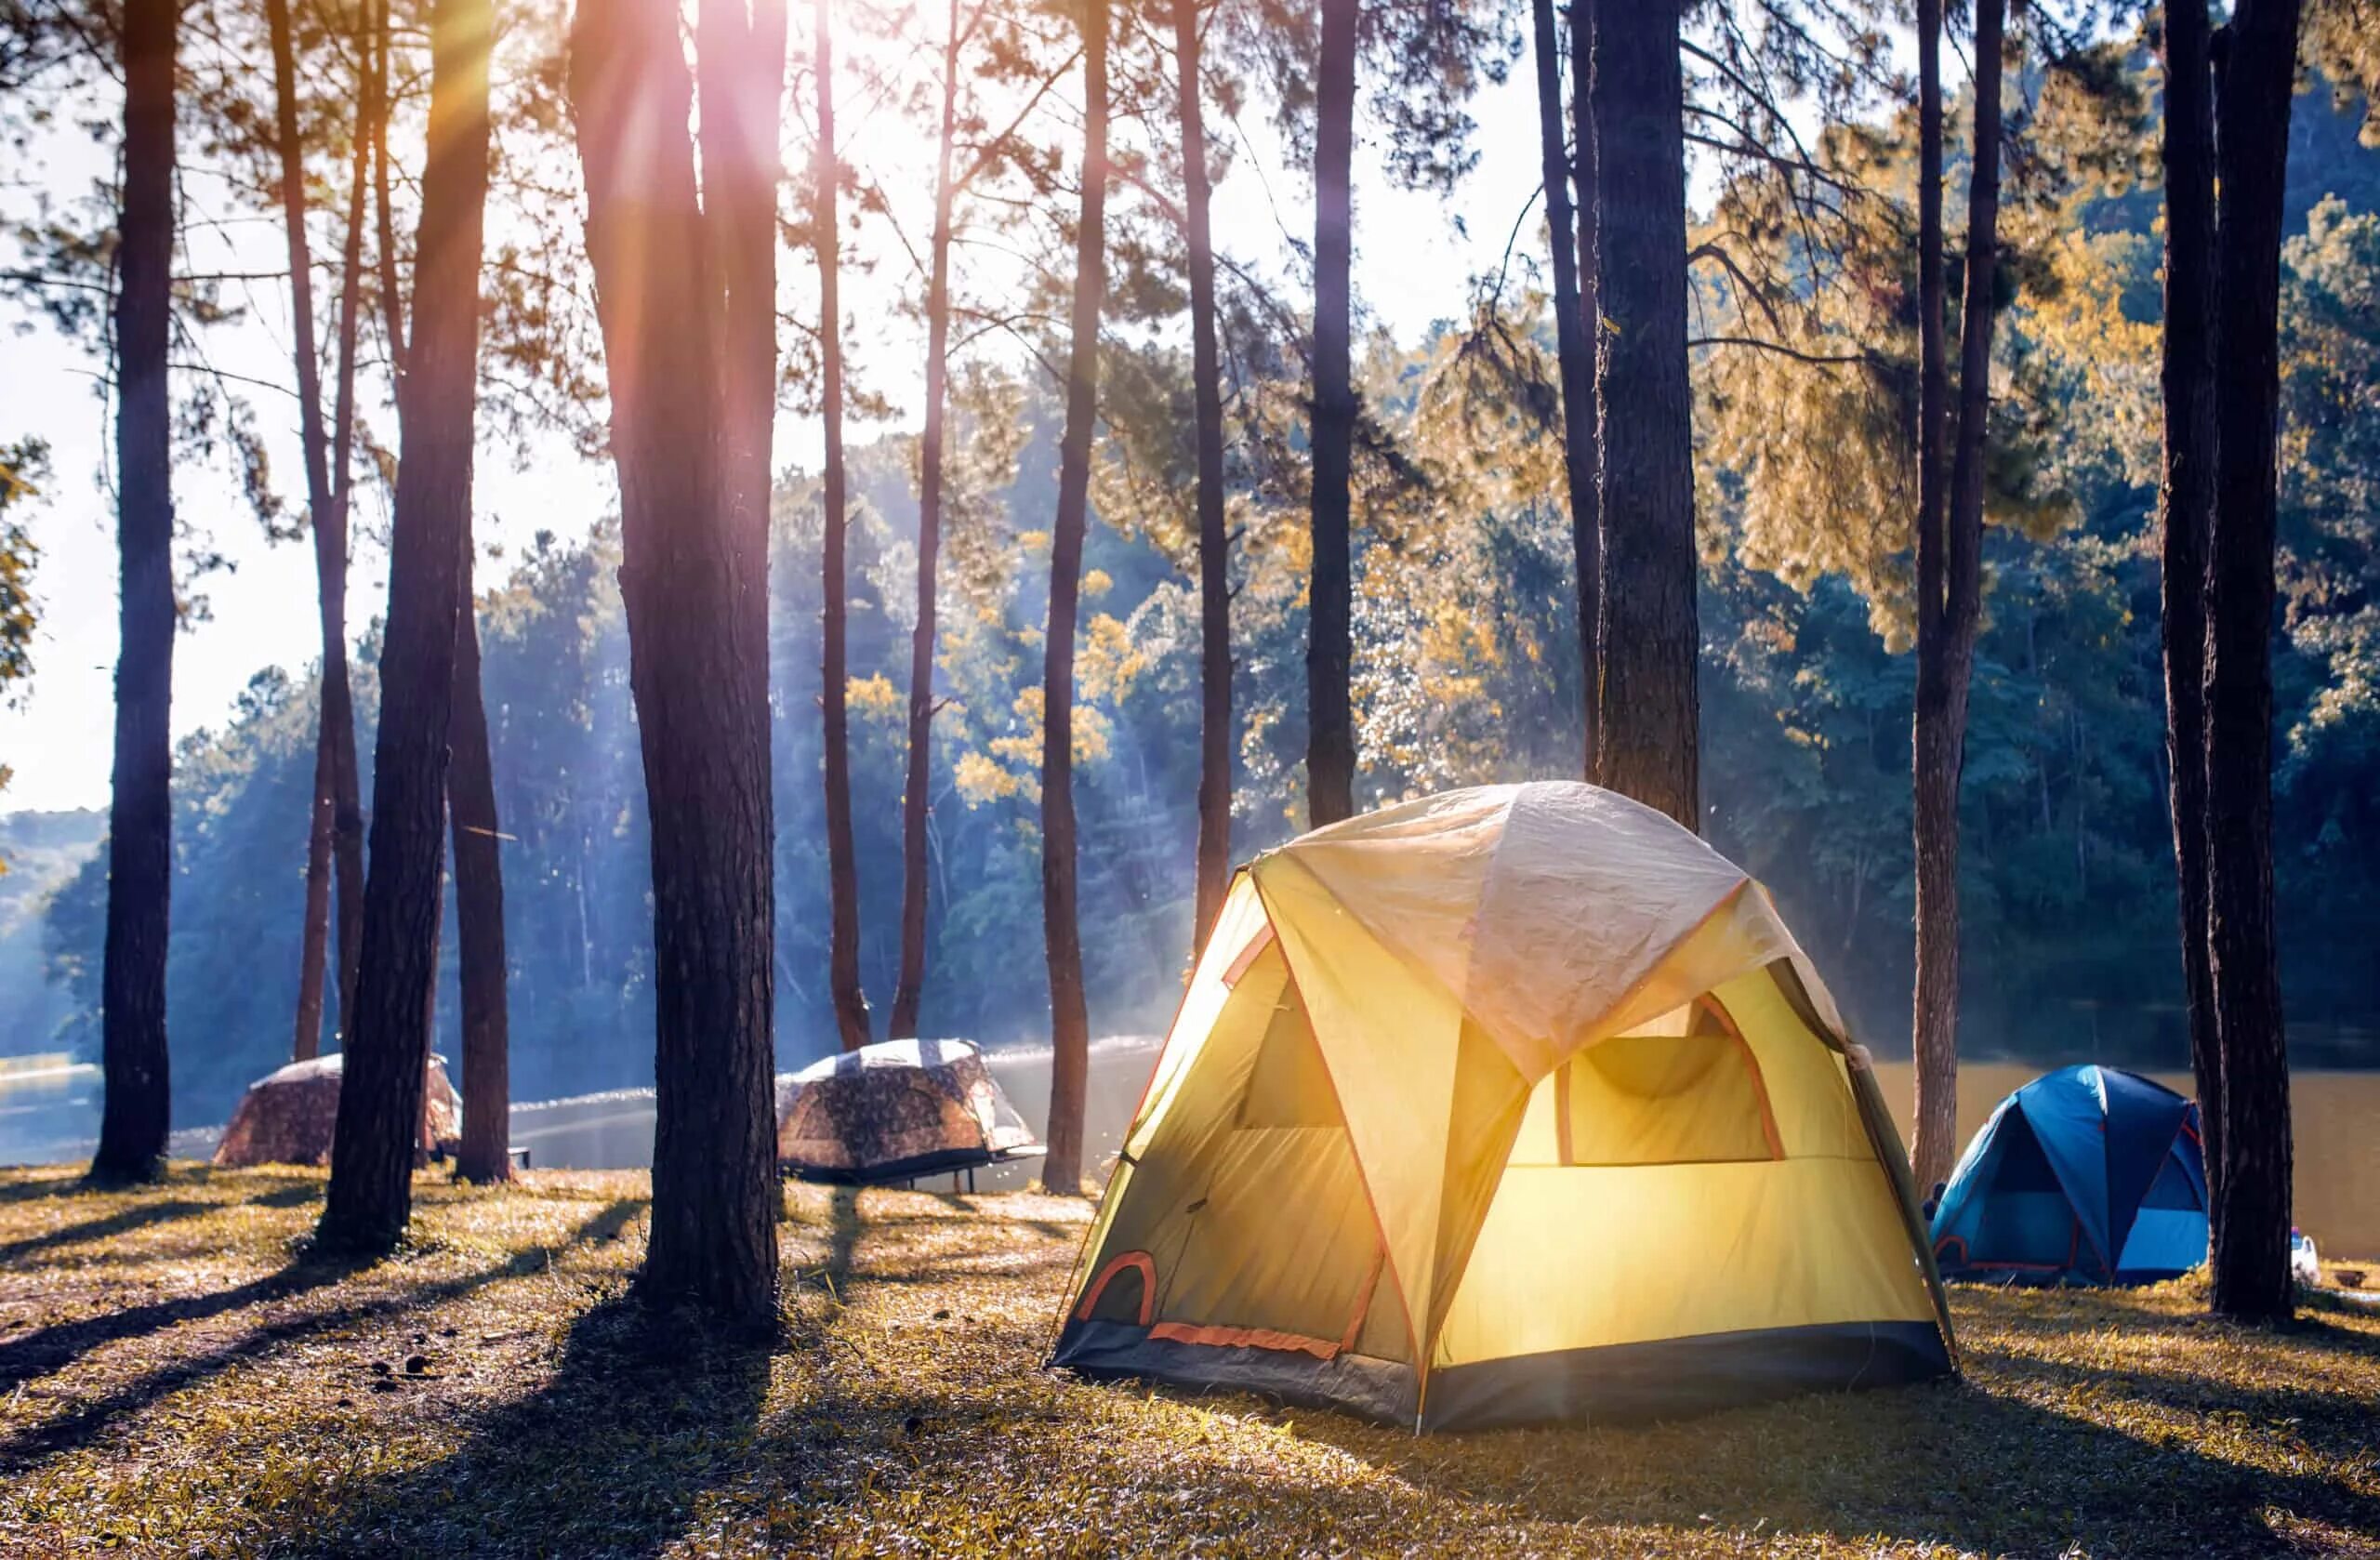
(485,1154)
(1942,703)
(692,442)
(2185,508)
(376,108)
(138,1098)
(1330,656)
(2255,79)
(919,778)
(370,1199)
(842,860)
(1573,348)
(1586,535)
(1060,925)
(1214,543)
(1647,633)
(324,501)
(338,699)
(1933,1049)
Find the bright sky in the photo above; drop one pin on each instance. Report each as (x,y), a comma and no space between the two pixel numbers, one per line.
(1412,260)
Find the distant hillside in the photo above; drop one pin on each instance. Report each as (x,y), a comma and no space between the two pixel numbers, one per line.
(41,851)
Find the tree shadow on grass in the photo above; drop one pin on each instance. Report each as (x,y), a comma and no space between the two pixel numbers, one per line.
(34,1188)
(100,1248)
(644,1412)
(1951,1464)
(842,1240)
(124,1221)
(52,1348)
(25,1183)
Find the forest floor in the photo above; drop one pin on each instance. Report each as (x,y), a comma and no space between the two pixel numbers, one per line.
(176,1378)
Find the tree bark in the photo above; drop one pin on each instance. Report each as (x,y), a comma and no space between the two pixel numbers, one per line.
(2255,79)
(852,1022)
(325,509)
(313,940)
(139,1098)
(1935,1069)
(691,416)
(1573,348)
(1330,656)
(370,1199)
(1586,527)
(1946,643)
(1214,542)
(2185,508)
(1647,709)
(1060,927)
(376,109)
(918,781)
(338,699)
(485,1154)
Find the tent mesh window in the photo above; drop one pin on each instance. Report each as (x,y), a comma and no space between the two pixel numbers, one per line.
(1692,1095)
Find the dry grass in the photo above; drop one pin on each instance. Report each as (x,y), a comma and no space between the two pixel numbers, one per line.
(175,1379)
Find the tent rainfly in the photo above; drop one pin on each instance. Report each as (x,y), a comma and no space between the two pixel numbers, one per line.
(894,1111)
(287,1117)
(1513,1104)
(2086,1175)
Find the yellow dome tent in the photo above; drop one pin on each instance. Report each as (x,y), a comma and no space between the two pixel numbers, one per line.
(1508,1105)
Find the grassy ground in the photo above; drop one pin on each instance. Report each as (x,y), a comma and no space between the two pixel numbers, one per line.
(174,1380)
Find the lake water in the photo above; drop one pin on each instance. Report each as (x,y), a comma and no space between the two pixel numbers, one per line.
(51,1113)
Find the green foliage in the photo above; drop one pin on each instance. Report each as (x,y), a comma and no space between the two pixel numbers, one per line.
(23,466)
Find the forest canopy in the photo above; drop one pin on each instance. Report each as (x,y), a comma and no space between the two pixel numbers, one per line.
(1466,658)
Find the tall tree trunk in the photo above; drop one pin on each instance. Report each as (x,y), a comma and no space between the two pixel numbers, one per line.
(1329,654)
(1586,527)
(1932,1047)
(138,1109)
(690,414)
(2255,76)
(370,1199)
(918,781)
(2185,508)
(842,859)
(338,699)
(325,508)
(485,1154)
(1647,635)
(1573,348)
(1946,642)
(377,110)
(1214,542)
(1061,923)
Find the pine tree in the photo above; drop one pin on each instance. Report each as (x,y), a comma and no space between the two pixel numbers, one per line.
(1648,703)
(370,1199)
(1949,614)
(137,1105)
(690,354)
(1330,657)
(1060,914)
(2255,77)
(842,864)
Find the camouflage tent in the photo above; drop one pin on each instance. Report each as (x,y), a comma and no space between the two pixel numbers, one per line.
(287,1117)
(895,1111)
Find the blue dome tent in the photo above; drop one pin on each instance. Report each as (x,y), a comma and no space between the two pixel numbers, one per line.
(2086,1175)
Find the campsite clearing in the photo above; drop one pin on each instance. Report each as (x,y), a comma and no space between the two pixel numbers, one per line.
(174,1378)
